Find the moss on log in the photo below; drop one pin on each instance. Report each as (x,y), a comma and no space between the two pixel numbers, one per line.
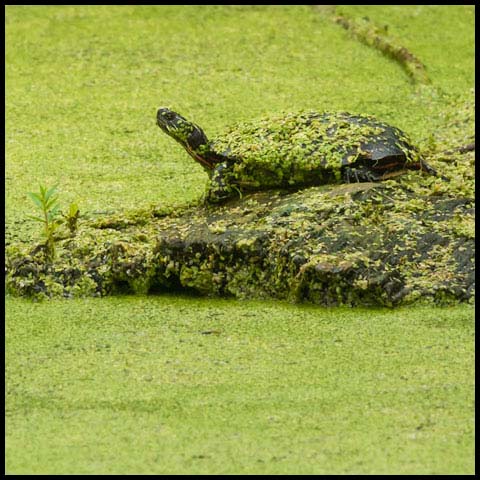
(353,244)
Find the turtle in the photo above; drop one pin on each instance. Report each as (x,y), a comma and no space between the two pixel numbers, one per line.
(295,150)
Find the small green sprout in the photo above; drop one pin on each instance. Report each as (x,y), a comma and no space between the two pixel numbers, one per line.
(71,218)
(47,201)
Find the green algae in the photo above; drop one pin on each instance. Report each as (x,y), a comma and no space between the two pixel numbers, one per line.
(170,385)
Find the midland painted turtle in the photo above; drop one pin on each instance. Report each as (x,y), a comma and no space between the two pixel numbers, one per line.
(294,150)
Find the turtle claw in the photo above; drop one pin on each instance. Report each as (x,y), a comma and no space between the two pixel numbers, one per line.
(359,175)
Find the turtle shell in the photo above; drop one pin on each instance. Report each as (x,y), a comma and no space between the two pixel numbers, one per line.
(309,148)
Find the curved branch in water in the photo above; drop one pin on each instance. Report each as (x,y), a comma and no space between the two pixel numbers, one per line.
(370,34)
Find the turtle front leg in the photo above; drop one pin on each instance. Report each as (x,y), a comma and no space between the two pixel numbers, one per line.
(219,189)
(359,174)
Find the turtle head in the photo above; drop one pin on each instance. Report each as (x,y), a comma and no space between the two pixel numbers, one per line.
(189,135)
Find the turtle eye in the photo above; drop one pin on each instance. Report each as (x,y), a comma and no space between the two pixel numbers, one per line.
(169,116)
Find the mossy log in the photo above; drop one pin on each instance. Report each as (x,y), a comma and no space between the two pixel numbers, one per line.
(351,244)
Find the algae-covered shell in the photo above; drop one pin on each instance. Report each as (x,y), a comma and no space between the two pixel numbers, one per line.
(308,148)
(328,139)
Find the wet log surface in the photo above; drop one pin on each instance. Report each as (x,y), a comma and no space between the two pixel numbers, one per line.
(352,244)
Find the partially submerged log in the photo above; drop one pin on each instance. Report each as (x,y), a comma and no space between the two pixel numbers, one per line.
(352,244)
